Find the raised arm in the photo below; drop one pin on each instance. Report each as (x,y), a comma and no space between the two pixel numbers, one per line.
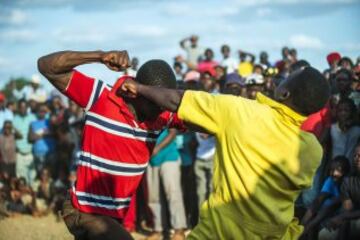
(168,99)
(183,41)
(57,67)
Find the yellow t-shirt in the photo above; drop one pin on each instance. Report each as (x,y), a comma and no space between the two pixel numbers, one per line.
(245,69)
(262,162)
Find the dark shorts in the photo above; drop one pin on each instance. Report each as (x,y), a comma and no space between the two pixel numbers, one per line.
(85,226)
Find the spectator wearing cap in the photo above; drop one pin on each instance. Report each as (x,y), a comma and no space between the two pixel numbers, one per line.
(234,85)
(207,80)
(192,80)
(193,51)
(230,64)
(254,83)
(333,61)
(5,113)
(208,64)
(34,91)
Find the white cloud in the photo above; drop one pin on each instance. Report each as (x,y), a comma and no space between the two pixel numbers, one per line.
(303,41)
(88,36)
(18,35)
(263,12)
(13,17)
(143,30)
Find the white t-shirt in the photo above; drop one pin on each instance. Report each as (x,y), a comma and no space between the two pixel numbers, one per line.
(193,54)
(206,148)
(231,64)
(344,143)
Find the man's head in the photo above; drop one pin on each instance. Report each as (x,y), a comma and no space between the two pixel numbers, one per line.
(347,63)
(153,73)
(134,63)
(209,54)
(22,107)
(299,65)
(178,67)
(42,110)
(225,51)
(345,111)
(305,91)
(35,81)
(339,167)
(356,160)
(285,52)
(254,83)
(264,57)
(7,128)
(234,85)
(343,81)
(194,40)
(333,59)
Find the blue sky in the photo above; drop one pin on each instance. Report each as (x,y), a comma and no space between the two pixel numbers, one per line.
(152,29)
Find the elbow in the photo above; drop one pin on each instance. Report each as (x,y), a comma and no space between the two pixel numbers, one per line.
(41,64)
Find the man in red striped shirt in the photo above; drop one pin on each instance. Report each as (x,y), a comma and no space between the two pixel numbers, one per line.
(118,138)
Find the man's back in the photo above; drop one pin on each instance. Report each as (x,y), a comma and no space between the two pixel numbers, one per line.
(263,161)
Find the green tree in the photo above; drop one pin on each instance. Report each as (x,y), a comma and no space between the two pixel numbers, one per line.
(17,83)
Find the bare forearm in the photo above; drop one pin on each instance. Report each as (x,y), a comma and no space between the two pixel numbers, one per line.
(57,67)
(168,99)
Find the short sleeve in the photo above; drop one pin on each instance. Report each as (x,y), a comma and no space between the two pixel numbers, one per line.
(84,90)
(208,111)
(171,120)
(328,186)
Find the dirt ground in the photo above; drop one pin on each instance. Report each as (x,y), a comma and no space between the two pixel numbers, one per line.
(30,228)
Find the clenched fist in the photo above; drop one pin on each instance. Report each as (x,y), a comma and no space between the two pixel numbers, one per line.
(116,60)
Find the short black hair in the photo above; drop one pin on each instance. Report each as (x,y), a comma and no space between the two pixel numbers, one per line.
(343,162)
(351,104)
(346,72)
(309,90)
(299,65)
(156,72)
(177,64)
(346,59)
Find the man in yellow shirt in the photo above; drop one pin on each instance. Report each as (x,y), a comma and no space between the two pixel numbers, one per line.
(263,159)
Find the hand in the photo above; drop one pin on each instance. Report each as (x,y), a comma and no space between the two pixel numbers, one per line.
(155,151)
(116,60)
(129,88)
(334,223)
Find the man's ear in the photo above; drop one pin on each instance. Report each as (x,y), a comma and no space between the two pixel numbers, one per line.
(284,94)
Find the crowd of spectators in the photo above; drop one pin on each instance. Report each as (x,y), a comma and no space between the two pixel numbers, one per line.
(40,134)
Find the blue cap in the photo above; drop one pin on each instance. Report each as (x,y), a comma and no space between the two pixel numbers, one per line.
(234,78)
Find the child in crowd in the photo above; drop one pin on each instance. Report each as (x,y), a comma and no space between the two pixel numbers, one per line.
(347,221)
(328,199)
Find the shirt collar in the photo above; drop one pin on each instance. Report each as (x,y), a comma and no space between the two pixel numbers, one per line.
(285,111)
(118,100)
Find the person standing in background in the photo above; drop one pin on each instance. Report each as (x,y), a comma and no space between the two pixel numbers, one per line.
(165,169)
(25,166)
(193,51)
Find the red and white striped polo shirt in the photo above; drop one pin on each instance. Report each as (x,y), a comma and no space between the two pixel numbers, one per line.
(115,147)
